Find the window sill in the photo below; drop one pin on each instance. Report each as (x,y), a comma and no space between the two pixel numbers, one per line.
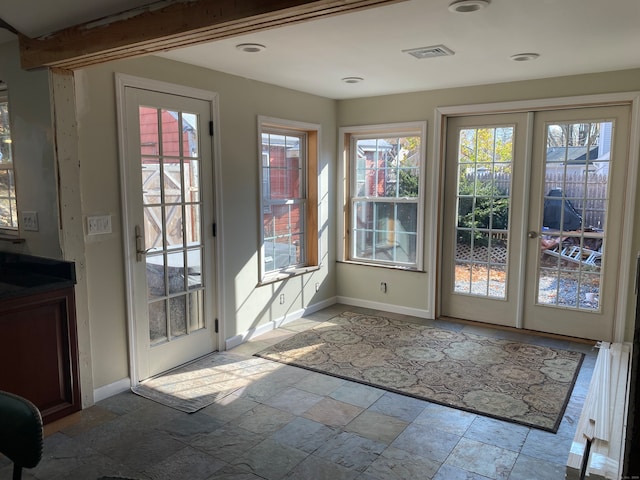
(382,265)
(279,276)
(5,237)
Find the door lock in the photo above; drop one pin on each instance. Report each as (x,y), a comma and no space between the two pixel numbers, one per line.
(532,234)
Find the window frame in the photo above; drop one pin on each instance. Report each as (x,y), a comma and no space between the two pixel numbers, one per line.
(347,185)
(310,136)
(5,230)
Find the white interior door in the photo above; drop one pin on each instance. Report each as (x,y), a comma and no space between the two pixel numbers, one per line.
(533,228)
(169,211)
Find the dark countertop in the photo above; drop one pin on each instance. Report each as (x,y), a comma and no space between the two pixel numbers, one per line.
(22,275)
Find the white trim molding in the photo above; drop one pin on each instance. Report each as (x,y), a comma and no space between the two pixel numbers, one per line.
(241,338)
(111,389)
(387,307)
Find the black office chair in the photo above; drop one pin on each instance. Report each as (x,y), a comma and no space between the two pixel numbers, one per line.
(21,433)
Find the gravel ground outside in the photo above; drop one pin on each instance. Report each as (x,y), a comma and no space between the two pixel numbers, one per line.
(564,291)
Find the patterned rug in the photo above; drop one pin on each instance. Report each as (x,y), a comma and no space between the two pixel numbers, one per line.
(504,379)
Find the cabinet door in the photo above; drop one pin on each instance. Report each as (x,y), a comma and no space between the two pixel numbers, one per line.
(39,342)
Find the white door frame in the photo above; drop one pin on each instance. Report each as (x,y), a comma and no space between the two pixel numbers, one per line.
(122,81)
(437,175)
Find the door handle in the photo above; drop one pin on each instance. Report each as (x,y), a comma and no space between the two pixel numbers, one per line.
(140,250)
(532,234)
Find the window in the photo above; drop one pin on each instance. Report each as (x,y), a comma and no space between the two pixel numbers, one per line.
(384,166)
(8,209)
(288,187)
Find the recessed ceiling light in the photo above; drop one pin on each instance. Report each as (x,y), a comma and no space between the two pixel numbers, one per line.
(468,6)
(524,57)
(352,79)
(250,47)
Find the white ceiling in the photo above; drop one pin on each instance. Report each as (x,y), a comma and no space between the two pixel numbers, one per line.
(571,36)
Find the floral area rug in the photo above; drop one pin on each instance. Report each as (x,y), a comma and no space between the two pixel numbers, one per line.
(504,379)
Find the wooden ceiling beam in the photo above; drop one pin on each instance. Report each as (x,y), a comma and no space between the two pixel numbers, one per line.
(171,25)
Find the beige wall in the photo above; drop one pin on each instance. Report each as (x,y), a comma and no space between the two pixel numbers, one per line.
(91,184)
(356,281)
(241,101)
(33,151)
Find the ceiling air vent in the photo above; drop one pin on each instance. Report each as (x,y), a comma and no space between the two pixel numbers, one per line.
(429,52)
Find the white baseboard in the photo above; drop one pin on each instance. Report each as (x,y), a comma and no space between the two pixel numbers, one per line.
(277,322)
(112,389)
(387,307)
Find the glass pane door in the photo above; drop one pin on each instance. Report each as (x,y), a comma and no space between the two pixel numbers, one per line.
(169,211)
(578,176)
(485,157)
(482,235)
(576,193)
(170,165)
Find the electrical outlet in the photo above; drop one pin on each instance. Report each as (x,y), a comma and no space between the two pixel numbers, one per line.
(317,286)
(98,224)
(383,287)
(281,298)
(29,221)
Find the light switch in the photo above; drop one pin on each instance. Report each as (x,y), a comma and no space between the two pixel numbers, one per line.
(29,221)
(98,224)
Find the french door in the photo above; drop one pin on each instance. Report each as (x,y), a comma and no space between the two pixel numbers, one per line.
(529,236)
(169,211)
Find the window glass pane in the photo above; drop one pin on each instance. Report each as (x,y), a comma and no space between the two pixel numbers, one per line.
(194,268)
(385,231)
(153,227)
(175,272)
(149,139)
(178,315)
(283,190)
(151,188)
(190,137)
(387,167)
(192,224)
(157,322)
(173,222)
(386,174)
(8,208)
(575,203)
(284,236)
(171,139)
(192,181)
(172,173)
(196,311)
(155,276)
(484,184)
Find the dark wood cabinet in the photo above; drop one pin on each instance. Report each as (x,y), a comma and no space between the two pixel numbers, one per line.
(39,351)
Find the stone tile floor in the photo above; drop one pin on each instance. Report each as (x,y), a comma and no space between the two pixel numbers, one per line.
(296,424)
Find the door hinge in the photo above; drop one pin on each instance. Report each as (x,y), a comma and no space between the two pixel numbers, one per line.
(215,325)
(214,229)
(211,128)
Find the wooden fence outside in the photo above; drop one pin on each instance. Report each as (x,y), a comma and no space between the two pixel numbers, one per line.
(588,194)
